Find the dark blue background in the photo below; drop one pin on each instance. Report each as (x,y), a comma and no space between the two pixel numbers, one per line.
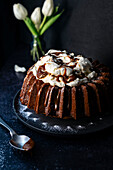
(85,27)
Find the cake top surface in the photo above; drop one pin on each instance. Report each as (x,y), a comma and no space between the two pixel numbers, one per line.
(61,68)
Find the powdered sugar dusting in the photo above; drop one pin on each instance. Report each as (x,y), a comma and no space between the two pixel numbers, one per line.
(2,158)
(34,119)
(69,129)
(57,127)
(79,127)
(27,114)
(45,124)
(91,123)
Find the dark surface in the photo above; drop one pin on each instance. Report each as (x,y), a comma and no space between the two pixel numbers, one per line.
(84,152)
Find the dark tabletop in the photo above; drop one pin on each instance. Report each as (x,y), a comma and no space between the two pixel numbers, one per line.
(94,151)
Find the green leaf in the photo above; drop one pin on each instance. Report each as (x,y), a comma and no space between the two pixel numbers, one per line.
(47,18)
(50,22)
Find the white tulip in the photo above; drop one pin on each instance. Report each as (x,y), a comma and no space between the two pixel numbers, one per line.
(36,17)
(48,8)
(20,11)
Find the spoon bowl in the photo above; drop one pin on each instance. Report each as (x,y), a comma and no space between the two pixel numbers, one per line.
(21,142)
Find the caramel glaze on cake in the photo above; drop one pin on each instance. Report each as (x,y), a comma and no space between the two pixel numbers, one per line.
(81,100)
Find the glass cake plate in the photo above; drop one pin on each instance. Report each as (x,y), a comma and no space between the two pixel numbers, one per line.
(56,126)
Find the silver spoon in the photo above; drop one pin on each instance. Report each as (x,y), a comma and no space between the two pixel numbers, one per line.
(20,142)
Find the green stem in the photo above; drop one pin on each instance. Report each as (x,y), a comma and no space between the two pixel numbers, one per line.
(31,26)
(40,46)
(44,19)
(34,32)
(34,51)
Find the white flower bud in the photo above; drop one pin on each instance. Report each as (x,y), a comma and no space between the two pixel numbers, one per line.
(48,8)
(20,11)
(36,17)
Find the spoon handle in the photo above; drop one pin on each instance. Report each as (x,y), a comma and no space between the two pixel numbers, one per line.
(12,132)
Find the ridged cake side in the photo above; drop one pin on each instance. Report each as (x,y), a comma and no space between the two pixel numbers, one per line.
(84,100)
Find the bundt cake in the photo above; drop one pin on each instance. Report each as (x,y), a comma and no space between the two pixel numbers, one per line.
(63,85)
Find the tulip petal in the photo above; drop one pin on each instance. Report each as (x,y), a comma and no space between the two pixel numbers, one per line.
(48,8)
(20,11)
